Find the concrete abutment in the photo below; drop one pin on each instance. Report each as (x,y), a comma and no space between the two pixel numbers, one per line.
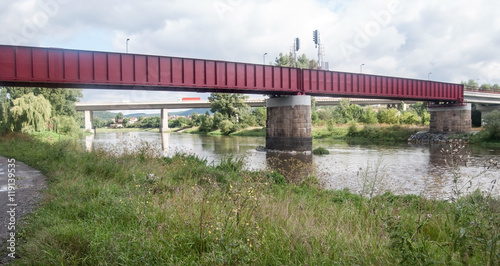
(289,124)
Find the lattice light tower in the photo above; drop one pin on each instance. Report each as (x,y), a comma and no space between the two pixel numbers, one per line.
(318,45)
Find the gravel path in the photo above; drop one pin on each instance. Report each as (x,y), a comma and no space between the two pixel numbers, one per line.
(19,195)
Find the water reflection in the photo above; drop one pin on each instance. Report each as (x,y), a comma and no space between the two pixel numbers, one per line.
(165,142)
(294,167)
(364,169)
(89,142)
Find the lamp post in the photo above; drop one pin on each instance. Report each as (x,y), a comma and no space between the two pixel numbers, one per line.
(264,60)
(361,68)
(127,44)
(429,76)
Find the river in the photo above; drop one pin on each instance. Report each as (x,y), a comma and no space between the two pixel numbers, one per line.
(367,169)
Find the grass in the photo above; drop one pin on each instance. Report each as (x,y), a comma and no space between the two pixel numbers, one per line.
(251,132)
(385,133)
(100,208)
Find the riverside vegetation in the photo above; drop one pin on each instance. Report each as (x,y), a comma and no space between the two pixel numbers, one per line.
(137,207)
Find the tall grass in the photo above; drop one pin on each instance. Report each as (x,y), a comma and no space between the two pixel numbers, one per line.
(102,208)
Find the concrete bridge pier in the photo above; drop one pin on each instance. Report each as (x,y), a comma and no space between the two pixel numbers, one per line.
(289,124)
(89,121)
(450,119)
(164,120)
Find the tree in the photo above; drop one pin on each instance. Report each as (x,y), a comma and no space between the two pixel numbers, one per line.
(369,116)
(421,109)
(4,110)
(206,122)
(409,118)
(64,124)
(470,85)
(388,116)
(260,114)
(304,63)
(492,124)
(62,101)
(229,105)
(30,113)
(495,88)
(226,127)
(284,60)
(118,116)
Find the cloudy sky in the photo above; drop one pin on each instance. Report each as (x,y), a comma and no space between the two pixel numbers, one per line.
(456,40)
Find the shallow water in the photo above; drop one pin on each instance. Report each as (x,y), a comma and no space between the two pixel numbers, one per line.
(366,169)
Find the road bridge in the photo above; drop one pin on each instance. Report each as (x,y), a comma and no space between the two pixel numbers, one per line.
(89,108)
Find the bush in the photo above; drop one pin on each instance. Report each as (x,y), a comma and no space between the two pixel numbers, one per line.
(353,129)
(409,118)
(206,124)
(492,124)
(389,116)
(330,125)
(65,125)
(226,127)
(369,116)
(320,151)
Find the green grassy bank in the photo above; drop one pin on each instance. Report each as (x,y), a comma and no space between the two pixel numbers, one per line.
(343,132)
(138,209)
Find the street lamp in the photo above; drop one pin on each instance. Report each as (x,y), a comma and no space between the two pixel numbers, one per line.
(361,68)
(429,76)
(127,44)
(264,60)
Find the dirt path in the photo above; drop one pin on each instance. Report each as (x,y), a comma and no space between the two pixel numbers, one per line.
(19,195)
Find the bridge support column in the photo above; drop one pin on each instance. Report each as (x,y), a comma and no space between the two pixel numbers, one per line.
(289,126)
(89,121)
(164,120)
(450,119)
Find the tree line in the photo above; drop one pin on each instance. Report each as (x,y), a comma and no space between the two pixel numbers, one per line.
(473,85)
(31,110)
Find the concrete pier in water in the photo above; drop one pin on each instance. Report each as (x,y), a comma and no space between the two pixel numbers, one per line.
(289,124)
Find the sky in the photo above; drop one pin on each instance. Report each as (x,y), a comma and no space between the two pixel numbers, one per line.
(455,40)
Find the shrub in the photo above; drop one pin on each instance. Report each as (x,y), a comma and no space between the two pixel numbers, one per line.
(369,116)
(409,118)
(492,124)
(226,127)
(353,129)
(320,151)
(330,125)
(389,116)
(65,125)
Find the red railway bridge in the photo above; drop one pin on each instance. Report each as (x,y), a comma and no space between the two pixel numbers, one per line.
(289,120)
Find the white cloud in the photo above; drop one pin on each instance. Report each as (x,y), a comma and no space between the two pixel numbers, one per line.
(455,40)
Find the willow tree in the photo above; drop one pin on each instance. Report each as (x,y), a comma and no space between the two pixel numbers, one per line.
(30,113)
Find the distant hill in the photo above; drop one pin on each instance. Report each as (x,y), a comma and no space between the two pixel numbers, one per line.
(142,114)
(180,113)
(191,111)
(104,115)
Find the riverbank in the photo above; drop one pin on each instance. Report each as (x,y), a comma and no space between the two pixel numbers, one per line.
(100,208)
(342,132)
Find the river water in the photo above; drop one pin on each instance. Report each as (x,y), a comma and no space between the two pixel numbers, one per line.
(367,169)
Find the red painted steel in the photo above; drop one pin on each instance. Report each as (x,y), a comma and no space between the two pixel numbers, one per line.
(63,68)
(191,99)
